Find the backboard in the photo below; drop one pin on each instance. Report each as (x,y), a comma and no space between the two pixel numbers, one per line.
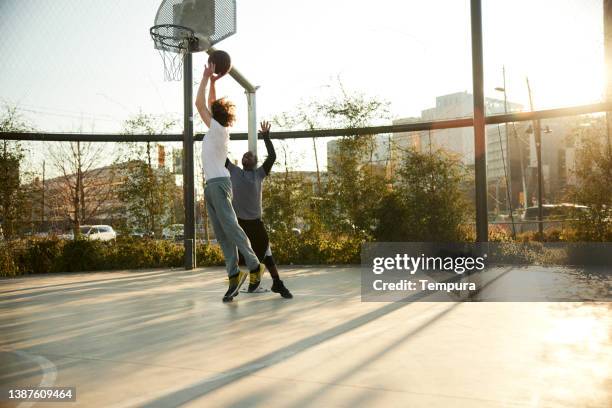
(209,21)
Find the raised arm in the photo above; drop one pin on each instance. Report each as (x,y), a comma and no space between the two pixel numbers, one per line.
(201,105)
(265,133)
(212,93)
(229,165)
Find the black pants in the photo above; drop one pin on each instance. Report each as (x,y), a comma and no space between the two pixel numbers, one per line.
(257,234)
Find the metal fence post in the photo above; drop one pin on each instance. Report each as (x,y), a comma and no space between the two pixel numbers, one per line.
(480,159)
(188,173)
(538,143)
(607,23)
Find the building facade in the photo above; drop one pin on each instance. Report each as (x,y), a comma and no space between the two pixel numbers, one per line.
(505,146)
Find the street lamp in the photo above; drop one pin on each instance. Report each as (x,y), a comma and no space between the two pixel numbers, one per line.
(538,144)
(501,147)
(519,143)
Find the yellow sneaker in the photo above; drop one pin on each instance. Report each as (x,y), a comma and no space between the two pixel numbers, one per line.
(235,282)
(255,278)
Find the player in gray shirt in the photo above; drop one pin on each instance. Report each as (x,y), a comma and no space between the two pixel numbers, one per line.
(218,115)
(246,189)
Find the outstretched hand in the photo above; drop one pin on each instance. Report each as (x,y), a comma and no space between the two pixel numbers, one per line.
(209,70)
(264,128)
(215,78)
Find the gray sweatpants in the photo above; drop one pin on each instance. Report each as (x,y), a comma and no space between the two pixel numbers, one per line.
(231,237)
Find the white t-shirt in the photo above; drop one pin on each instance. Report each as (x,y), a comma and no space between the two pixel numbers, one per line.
(214,151)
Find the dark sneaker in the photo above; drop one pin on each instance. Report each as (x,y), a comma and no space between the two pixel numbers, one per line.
(255,278)
(235,282)
(279,287)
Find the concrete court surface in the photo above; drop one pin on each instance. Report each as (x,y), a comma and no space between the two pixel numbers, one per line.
(163,338)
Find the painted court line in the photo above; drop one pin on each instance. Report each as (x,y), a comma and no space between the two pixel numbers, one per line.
(48,369)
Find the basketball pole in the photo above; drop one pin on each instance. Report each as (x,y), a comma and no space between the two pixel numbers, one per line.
(188,173)
(252,107)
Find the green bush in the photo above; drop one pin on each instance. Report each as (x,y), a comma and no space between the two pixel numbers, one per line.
(550,235)
(427,202)
(527,253)
(79,255)
(53,255)
(208,255)
(9,254)
(315,248)
(133,253)
(39,256)
(593,173)
(501,234)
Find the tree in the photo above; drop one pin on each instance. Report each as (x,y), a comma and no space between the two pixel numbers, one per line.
(147,192)
(12,196)
(284,197)
(148,196)
(427,202)
(593,183)
(85,187)
(356,182)
(301,117)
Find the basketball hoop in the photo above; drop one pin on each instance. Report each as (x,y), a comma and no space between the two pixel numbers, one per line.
(187,26)
(173,42)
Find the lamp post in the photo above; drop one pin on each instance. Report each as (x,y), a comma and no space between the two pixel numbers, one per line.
(537,131)
(503,89)
(538,144)
(501,147)
(497,196)
(519,143)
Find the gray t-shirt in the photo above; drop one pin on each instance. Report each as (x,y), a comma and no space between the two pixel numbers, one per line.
(246,189)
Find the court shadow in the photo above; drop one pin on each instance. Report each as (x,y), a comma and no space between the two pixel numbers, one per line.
(208,385)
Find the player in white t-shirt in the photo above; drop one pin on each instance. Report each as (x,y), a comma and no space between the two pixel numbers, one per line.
(218,115)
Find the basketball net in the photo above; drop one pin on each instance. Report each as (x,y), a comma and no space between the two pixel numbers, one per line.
(173,63)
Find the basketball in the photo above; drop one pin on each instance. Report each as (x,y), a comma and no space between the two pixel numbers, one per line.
(222,61)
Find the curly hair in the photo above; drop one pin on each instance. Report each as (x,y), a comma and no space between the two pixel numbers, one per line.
(223,111)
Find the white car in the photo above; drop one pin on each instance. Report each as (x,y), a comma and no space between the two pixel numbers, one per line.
(98,232)
(175,232)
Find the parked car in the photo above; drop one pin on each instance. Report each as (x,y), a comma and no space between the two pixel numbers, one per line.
(175,232)
(142,234)
(553,215)
(68,235)
(98,232)
(93,232)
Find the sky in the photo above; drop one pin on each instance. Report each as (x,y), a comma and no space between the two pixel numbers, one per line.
(88,65)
